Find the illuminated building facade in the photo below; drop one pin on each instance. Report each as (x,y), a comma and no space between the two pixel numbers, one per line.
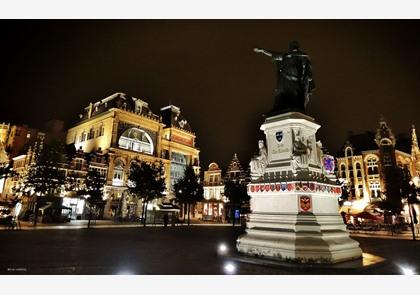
(20,137)
(366,158)
(4,132)
(75,170)
(215,206)
(235,172)
(126,130)
(20,165)
(214,198)
(16,141)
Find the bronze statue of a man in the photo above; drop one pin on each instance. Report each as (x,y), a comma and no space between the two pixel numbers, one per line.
(294,79)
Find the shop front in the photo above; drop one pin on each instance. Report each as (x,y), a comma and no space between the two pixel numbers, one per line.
(213,211)
(77,206)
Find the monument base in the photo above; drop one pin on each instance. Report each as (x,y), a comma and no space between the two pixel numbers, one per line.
(303,238)
(294,201)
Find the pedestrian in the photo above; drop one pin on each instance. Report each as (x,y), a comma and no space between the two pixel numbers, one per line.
(173,220)
(165,219)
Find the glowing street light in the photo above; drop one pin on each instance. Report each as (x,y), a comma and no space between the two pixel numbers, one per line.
(406,270)
(229,268)
(222,249)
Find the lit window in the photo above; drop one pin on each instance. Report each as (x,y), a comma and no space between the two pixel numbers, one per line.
(136,140)
(358,170)
(118,178)
(375,188)
(372,165)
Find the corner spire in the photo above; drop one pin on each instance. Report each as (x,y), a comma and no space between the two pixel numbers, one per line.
(415,151)
(414,136)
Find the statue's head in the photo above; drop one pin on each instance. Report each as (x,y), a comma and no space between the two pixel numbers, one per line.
(294,45)
(261,144)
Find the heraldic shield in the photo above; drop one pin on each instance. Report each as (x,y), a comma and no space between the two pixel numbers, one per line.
(305,203)
(279,136)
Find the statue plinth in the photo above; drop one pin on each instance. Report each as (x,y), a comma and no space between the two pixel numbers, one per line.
(293,199)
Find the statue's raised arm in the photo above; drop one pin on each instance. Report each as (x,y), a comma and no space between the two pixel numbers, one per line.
(269,53)
(294,79)
(263,51)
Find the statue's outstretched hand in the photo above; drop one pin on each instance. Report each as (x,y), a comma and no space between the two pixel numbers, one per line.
(265,52)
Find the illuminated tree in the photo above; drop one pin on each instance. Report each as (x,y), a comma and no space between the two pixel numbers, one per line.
(409,192)
(6,170)
(188,190)
(45,178)
(391,197)
(95,190)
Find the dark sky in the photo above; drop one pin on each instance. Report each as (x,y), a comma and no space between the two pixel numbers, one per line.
(52,69)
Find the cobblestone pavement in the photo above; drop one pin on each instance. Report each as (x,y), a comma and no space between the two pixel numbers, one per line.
(173,250)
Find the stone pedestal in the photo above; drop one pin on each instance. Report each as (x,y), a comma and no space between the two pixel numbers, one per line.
(294,202)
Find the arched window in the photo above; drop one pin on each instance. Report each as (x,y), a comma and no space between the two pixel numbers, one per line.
(136,140)
(100,130)
(348,152)
(118,179)
(358,170)
(91,134)
(82,136)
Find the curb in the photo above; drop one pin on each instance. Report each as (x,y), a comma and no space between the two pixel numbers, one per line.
(368,261)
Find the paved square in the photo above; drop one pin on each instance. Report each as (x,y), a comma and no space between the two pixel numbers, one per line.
(156,250)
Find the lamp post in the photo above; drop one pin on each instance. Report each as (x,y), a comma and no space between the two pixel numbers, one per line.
(189,205)
(412,194)
(182,206)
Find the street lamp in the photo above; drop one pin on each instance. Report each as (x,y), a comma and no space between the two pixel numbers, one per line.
(412,194)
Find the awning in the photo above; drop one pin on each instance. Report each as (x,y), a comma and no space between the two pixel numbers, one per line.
(168,207)
(366,215)
(54,206)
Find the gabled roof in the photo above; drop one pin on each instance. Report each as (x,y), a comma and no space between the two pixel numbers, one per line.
(234,164)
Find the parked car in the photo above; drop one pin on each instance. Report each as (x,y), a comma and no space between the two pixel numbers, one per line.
(5,215)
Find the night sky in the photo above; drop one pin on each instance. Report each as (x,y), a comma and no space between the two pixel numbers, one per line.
(52,69)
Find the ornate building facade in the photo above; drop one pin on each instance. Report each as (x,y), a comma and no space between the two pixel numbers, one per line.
(126,130)
(235,172)
(74,170)
(365,160)
(213,205)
